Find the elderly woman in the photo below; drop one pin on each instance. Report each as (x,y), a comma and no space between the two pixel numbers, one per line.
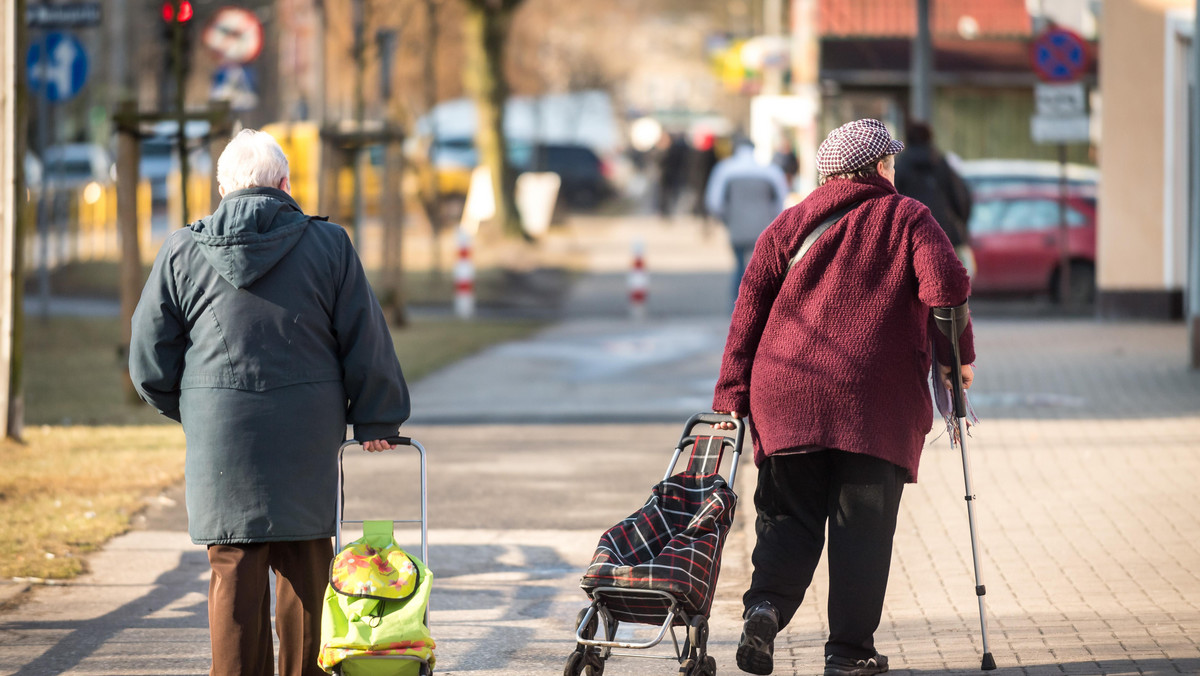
(257,330)
(828,352)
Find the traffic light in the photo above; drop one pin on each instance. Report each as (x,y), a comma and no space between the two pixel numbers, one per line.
(168,11)
(177,32)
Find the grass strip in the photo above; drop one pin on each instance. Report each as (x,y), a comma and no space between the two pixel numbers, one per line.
(91,458)
(67,490)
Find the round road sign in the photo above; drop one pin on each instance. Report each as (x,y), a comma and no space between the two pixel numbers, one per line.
(56,66)
(235,34)
(1059,55)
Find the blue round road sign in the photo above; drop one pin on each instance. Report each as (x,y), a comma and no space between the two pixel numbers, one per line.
(1059,55)
(56,66)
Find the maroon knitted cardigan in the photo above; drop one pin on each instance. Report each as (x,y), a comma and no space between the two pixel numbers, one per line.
(836,353)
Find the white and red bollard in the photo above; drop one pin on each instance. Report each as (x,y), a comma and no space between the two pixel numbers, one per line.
(464,278)
(639,282)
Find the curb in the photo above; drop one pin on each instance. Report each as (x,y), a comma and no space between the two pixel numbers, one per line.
(11,592)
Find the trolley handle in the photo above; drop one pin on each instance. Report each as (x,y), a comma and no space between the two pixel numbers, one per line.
(714,418)
(341,483)
(394,440)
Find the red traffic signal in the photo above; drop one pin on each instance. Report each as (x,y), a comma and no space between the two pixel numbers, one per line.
(185,11)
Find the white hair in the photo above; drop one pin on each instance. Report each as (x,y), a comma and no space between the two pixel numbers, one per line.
(252,159)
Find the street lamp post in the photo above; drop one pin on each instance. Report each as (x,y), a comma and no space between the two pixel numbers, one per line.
(921,93)
(1193,289)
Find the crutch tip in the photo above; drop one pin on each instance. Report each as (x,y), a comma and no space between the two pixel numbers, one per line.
(989,663)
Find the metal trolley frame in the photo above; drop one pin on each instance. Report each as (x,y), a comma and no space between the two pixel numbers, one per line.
(424,669)
(592,652)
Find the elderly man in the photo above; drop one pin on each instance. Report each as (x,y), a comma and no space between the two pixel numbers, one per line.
(258,331)
(828,352)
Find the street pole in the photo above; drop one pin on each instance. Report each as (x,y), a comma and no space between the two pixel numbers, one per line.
(1193,301)
(180,68)
(360,113)
(772,17)
(806,57)
(921,64)
(12,201)
(1064,248)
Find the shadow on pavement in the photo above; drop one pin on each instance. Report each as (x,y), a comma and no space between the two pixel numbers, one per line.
(85,638)
(1147,667)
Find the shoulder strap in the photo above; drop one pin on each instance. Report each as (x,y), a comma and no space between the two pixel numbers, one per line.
(818,231)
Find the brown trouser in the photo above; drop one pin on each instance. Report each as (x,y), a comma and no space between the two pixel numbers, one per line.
(239,606)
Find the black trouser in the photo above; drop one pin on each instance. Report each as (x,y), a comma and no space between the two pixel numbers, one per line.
(859,496)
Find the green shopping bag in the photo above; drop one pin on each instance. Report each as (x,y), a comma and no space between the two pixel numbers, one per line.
(375,606)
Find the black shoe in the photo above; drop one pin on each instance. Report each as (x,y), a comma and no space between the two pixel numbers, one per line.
(756,649)
(845,666)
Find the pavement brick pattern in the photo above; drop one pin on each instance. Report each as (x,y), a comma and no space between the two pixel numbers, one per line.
(1084,467)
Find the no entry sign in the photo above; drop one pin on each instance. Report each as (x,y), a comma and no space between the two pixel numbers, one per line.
(235,34)
(1059,55)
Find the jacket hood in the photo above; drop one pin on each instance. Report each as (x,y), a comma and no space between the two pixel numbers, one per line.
(249,233)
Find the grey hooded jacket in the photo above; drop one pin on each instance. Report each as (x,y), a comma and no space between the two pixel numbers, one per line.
(258,331)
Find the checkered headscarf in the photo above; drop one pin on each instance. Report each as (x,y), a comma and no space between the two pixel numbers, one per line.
(855,145)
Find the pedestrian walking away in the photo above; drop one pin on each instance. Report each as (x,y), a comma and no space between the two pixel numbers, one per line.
(746,196)
(258,332)
(924,173)
(828,351)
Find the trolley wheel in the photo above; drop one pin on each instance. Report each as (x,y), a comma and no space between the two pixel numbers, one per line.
(574,665)
(687,667)
(589,631)
(595,664)
(698,634)
(425,670)
(709,667)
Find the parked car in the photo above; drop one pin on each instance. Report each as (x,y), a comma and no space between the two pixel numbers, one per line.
(74,165)
(586,179)
(159,154)
(1015,235)
(984,175)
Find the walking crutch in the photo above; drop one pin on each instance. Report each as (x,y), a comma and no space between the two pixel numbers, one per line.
(952,321)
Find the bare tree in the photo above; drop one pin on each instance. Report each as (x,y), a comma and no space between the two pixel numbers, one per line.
(487,27)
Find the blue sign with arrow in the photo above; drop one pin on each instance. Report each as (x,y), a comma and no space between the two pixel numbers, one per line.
(57,66)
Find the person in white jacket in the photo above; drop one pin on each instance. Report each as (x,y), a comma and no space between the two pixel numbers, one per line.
(746,196)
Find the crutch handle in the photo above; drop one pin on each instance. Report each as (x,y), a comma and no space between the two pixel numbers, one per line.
(952,321)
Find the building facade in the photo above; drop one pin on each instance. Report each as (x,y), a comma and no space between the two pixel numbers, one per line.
(1142,238)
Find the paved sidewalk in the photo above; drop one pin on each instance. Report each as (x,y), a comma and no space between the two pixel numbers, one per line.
(1084,468)
(1088,518)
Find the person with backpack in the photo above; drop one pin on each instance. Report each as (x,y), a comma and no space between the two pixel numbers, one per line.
(258,331)
(828,352)
(746,196)
(924,174)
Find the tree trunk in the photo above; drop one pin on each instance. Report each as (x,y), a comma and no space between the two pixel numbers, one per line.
(128,151)
(431,198)
(486,32)
(391,207)
(15,213)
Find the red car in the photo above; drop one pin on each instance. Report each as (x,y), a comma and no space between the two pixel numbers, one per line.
(1015,235)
